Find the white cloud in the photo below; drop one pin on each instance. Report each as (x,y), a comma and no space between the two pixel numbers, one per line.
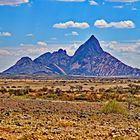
(92,2)
(123,1)
(134,9)
(122,24)
(26,45)
(124,51)
(37,49)
(71,24)
(4,52)
(126,47)
(31,51)
(38,44)
(71,0)
(41,43)
(118,7)
(29,35)
(12,2)
(75,33)
(5,34)
(72,34)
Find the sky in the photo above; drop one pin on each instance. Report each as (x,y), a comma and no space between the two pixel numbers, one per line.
(33,27)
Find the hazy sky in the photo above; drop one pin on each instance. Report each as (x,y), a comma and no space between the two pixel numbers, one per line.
(32,27)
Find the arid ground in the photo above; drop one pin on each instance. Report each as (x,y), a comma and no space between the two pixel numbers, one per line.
(84,109)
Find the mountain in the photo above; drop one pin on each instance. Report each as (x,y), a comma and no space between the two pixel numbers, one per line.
(89,49)
(26,66)
(48,63)
(89,60)
(57,61)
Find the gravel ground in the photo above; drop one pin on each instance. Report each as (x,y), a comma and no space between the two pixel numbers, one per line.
(63,120)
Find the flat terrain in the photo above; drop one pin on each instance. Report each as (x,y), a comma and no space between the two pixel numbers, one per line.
(65,84)
(60,110)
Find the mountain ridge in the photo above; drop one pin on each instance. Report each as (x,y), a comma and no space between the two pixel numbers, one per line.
(88,60)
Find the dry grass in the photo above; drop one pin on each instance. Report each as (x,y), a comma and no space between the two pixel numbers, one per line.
(61,110)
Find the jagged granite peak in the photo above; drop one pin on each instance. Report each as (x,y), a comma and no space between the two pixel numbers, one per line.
(57,61)
(89,60)
(24,60)
(54,57)
(44,58)
(90,48)
(61,51)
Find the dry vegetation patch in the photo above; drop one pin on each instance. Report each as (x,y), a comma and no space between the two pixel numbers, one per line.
(89,109)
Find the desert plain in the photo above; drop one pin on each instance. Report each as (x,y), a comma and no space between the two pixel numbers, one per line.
(74,109)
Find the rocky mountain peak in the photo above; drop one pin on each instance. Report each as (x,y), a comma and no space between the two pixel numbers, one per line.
(93,45)
(90,48)
(89,60)
(24,60)
(92,38)
(61,51)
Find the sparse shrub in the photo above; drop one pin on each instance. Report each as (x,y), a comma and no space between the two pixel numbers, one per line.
(130,101)
(58,91)
(109,90)
(39,94)
(101,90)
(26,90)
(79,88)
(11,91)
(18,92)
(92,97)
(3,90)
(105,96)
(119,89)
(13,87)
(92,88)
(113,106)
(8,87)
(136,103)
(81,97)
(133,89)
(66,97)
(44,89)
(51,91)
(2,138)
(52,87)
(72,88)
(53,96)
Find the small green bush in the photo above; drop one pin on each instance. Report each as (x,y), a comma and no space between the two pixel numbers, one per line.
(114,106)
